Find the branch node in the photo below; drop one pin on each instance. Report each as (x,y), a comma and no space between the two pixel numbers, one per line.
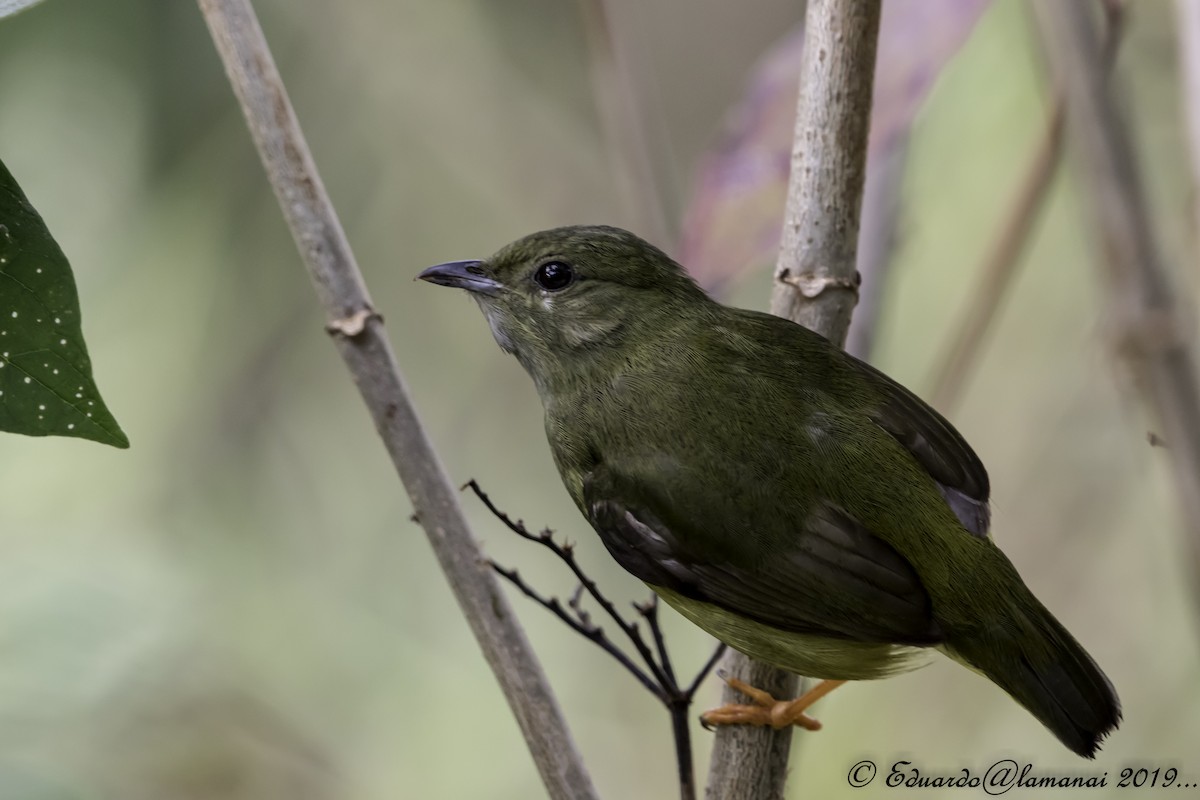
(354,324)
(811,284)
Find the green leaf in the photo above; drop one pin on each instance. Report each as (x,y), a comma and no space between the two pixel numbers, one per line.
(46,385)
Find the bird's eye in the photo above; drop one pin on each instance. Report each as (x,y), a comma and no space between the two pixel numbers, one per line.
(554,275)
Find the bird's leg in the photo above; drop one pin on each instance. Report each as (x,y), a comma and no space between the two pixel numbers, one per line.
(766,710)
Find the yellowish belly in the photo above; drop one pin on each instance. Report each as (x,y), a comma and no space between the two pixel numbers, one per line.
(805,654)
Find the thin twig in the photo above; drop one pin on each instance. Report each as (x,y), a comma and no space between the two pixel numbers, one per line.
(660,681)
(649,611)
(566,553)
(1000,264)
(359,337)
(1151,332)
(576,605)
(815,283)
(717,652)
(583,626)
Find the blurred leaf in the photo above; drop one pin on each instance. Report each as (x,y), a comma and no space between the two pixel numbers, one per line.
(10,7)
(46,385)
(735,215)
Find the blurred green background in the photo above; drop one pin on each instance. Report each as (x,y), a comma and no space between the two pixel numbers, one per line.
(238,606)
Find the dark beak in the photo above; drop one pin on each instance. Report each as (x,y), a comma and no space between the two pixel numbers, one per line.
(469,275)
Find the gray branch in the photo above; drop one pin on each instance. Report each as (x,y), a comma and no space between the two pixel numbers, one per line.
(359,335)
(816,286)
(815,278)
(1151,331)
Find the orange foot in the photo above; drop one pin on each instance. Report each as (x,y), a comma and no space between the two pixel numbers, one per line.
(767,710)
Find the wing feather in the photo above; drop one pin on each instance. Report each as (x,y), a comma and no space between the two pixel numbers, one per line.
(824,581)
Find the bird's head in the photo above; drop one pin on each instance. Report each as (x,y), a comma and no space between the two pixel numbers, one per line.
(557,295)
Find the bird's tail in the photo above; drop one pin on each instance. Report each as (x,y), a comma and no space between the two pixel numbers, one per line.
(1030,655)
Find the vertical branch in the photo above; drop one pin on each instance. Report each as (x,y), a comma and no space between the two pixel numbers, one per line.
(815,285)
(359,335)
(751,762)
(1151,333)
(681,732)
(815,279)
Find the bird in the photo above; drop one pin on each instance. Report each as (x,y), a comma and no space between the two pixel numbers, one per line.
(789,499)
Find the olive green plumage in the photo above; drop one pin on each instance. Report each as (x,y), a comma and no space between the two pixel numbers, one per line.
(784,496)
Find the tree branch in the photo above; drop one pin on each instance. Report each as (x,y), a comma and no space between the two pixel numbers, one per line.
(359,336)
(1150,330)
(815,278)
(815,285)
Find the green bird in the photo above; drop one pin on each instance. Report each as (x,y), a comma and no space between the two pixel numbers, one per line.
(789,499)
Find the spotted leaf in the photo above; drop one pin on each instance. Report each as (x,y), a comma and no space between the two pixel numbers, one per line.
(46,385)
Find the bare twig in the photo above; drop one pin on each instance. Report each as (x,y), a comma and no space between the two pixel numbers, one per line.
(649,611)
(566,554)
(625,126)
(582,625)
(661,681)
(815,286)
(1001,262)
(369,357)
(1152,335)
(718,651)
(679,699)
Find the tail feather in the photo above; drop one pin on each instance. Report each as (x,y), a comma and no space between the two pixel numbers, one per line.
(1037,661)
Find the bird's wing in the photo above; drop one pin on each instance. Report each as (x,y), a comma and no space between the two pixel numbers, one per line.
(935,445)
(924,433)
(831,578)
